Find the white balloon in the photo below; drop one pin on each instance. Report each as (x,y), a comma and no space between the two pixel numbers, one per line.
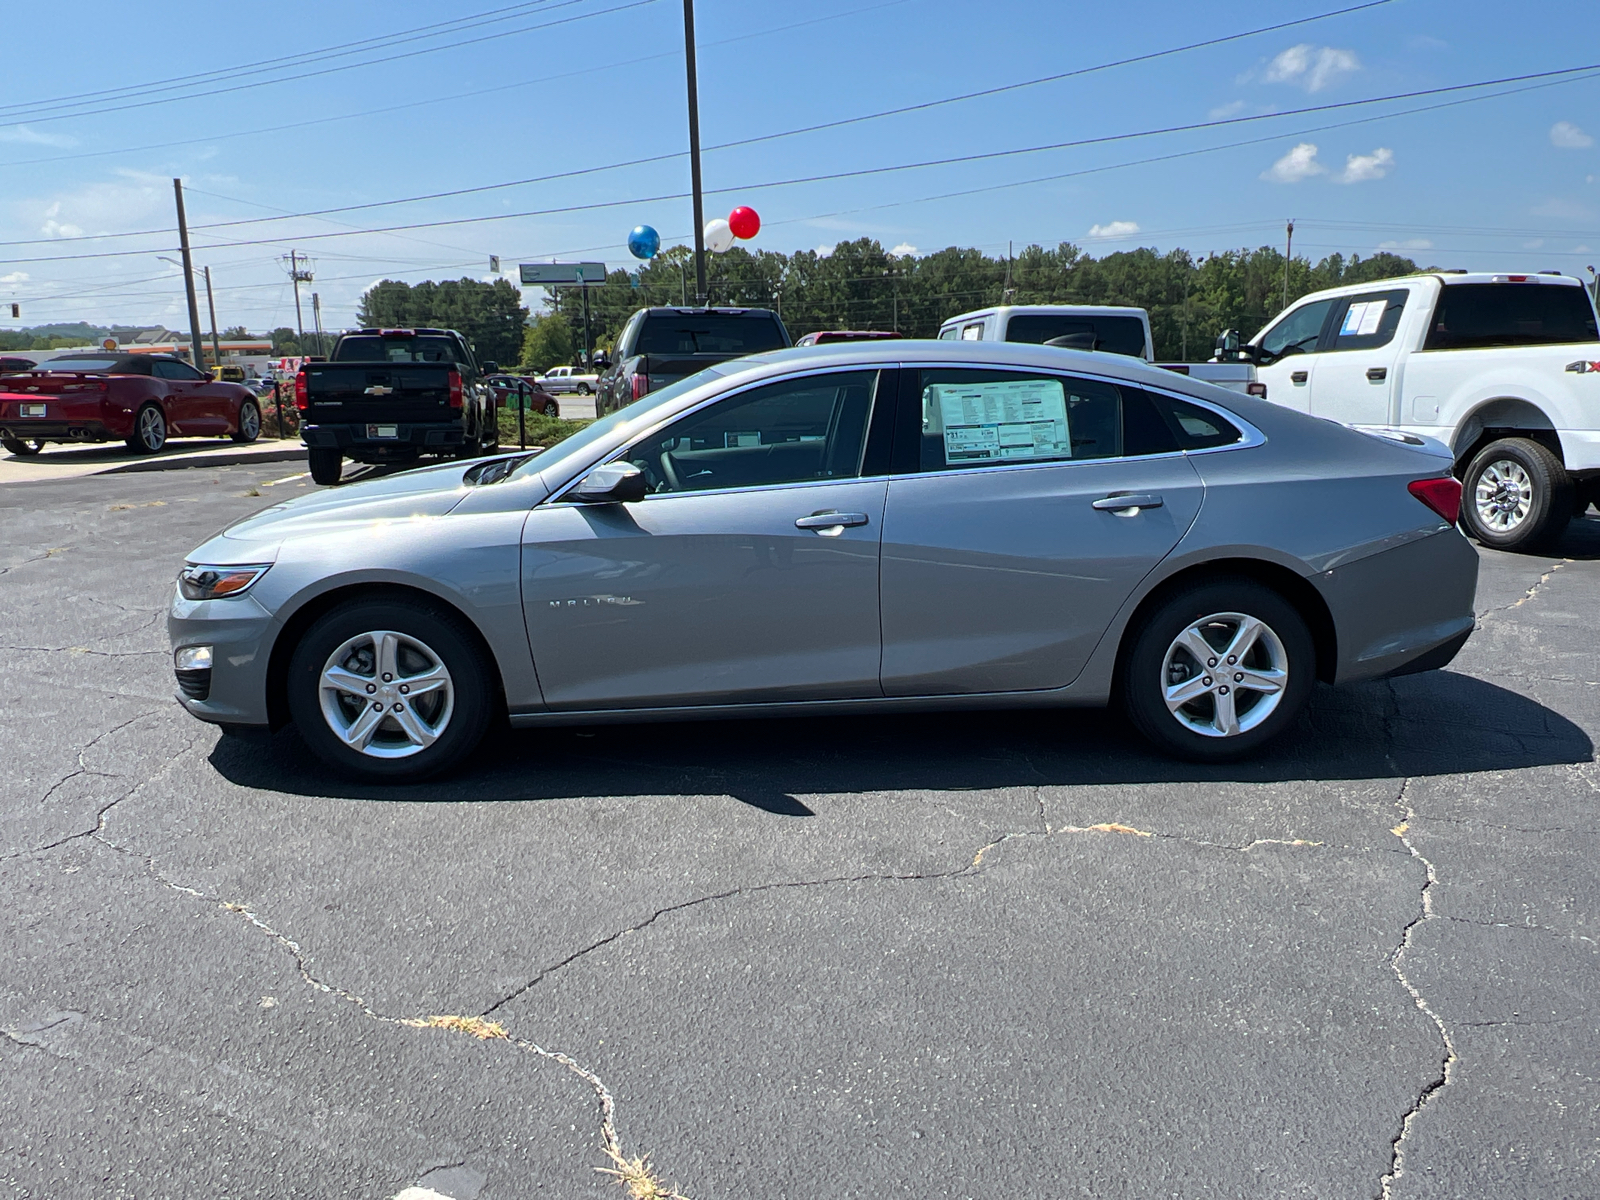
(719,236)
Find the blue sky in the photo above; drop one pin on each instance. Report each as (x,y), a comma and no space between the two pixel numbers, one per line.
(1508,183)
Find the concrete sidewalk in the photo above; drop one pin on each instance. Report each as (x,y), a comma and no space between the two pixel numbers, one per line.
(73,461)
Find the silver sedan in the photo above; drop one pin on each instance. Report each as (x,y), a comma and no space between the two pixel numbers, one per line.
(862,527)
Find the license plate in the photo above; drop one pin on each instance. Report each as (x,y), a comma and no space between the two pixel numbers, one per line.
(33,410)
(383,431)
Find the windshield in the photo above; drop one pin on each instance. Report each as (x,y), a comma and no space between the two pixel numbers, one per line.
(637,413)
(1114,335)
(373,348)
(79,364)
(708,333)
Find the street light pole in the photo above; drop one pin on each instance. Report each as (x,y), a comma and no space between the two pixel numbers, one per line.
(694,154)
(216,346)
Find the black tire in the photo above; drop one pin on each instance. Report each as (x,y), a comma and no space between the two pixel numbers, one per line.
(583,389)
(552,409)
(326,465)
(427,637)
(1152,659)
(249,422)
(149,430)
(21,447)
(1516,495)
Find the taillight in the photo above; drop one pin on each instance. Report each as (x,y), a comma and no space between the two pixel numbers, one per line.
(1256,389)
(302,397)
(1443,495)
(641,385)
(455,388)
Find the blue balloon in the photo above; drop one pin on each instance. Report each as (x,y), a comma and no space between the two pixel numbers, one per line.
(643,242)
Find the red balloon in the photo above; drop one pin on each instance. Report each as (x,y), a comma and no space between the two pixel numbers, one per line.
(744,222)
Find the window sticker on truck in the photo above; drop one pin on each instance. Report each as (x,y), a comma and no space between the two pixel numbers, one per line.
(1362,319)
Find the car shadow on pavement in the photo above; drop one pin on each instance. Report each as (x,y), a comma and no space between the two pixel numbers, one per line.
(1431,724)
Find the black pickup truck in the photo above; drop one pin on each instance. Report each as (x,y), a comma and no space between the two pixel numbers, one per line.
(390,395)
(659,346)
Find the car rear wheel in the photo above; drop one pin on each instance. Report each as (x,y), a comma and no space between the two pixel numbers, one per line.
(390,690)
(149,430)
(583,389)
(1516,495)
(21,447)
(552,409)
(1218,670)
(327,464)
(249,422)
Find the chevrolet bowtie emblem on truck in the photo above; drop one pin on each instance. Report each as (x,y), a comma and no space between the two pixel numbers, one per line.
(1583,368)
(378,389)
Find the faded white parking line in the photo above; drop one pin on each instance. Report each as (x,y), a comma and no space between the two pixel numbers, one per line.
(421,1193)
(291,479)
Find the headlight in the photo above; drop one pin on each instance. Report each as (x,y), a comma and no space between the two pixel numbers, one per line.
(213,583)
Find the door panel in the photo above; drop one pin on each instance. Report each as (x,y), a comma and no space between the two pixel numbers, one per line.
(1004,579)
(1289,381)
(705,597)
(1357,373)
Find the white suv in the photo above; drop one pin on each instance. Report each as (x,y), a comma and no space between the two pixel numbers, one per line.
(1504,369)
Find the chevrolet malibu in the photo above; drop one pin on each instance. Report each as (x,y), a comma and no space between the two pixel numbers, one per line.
(893,526)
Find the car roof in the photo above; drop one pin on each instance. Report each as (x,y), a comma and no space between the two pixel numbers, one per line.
(1090,310)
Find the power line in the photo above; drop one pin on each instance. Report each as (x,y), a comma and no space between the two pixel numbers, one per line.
(89,112)
(7,111)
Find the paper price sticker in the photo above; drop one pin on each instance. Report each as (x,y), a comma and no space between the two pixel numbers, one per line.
(1363,319)
(1012,421)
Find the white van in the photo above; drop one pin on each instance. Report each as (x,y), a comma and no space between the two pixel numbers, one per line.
(1102,327)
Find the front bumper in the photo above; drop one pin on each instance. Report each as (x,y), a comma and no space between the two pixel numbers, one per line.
(239,632)
(410,439)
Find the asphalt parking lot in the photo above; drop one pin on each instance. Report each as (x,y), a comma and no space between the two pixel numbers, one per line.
(995,955)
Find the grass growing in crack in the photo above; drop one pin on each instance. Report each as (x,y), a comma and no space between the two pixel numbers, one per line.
(639,1178)
(476,1026)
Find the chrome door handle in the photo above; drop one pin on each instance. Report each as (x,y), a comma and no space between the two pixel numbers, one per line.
(1126,500)
(830,524)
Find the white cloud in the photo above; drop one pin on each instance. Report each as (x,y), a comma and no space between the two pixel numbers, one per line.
(1568,136)
(1408,244)
(903,249)
(824,251)
(15,277)
(1222,111)
(1311,67)
(1360,168)
(1114,229)
(1300,163)
(32,137)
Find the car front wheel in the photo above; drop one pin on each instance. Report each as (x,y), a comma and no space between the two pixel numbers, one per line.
(1217,670)
(1516,495)
(389,690)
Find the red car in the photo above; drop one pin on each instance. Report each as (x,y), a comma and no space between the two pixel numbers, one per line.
(827,337)
(142,399)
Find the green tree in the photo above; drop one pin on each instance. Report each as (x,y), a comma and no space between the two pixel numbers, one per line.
(284,342)
(546,343)
(490,315)
(236,333)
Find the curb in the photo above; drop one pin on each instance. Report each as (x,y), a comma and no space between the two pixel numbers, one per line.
(222,458)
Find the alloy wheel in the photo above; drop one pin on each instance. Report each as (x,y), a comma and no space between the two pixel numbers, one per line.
(1224,675)
(1503,495)
(386,694)
(152,428)
(249,422)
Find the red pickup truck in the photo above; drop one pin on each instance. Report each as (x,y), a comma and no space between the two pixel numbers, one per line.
(142,399)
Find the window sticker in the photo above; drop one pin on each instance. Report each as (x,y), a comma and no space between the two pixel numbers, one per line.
(1362,320)
(1017,420)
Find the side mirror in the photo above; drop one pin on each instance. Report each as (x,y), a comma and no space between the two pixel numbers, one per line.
(1228,343)
(614,483)
(490,367)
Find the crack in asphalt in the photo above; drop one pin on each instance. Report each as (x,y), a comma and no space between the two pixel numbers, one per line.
(1534,590)
(1450,1057)
(605,1101)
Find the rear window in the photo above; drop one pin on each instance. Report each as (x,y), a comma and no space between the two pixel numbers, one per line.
(80,364)
(1114,335)
(708,333)
(1470,315)
(373,348)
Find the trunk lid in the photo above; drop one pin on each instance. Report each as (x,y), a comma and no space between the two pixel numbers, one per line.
(390,392)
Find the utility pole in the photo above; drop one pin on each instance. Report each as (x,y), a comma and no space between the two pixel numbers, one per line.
(588,354)
(694,154)
(195,343)
(1005,294)
(216,346)
(316,317)
(1288,257)
(299,277)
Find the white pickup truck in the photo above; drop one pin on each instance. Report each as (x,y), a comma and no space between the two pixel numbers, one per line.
(1503,369)
(558,380)
(1111,329)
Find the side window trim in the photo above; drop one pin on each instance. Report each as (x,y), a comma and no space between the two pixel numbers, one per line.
(1331,326)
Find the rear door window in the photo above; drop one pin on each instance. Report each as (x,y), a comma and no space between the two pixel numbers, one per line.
(1366,322)
(974,418)
(1474,315)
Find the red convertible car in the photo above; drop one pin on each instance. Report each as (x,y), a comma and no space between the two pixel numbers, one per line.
(142,399)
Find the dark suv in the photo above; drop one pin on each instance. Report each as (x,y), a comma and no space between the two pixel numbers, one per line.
(659,346)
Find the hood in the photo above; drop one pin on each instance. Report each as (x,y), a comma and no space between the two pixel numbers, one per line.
(425,492)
